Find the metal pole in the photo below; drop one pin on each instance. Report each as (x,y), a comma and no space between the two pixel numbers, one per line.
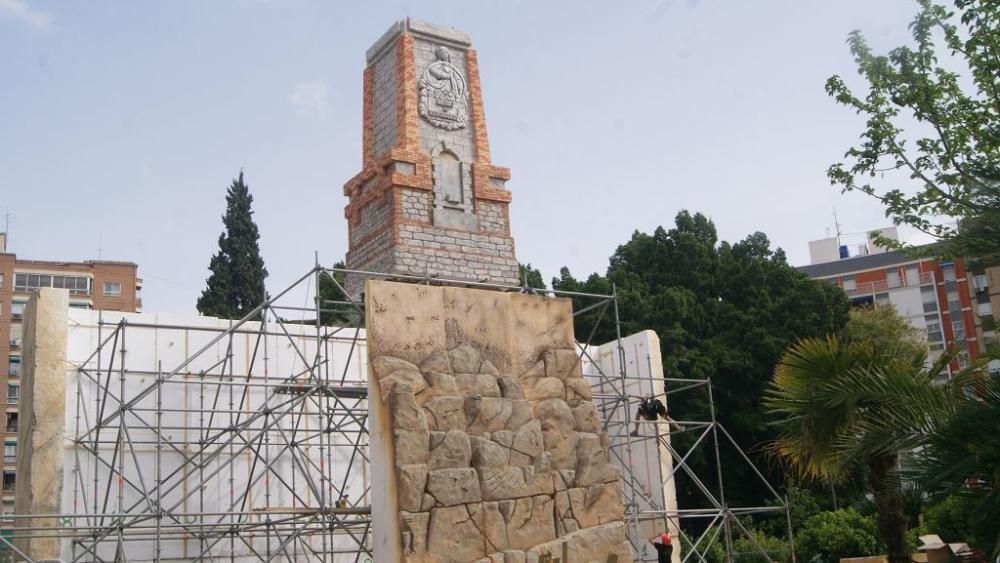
(718,472)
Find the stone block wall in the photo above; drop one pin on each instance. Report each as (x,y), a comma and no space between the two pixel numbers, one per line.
(493,218)
(416,206)
(487,430)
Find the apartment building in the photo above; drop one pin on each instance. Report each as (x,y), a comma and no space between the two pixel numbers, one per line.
(94,284)
(986,302)
(938,297)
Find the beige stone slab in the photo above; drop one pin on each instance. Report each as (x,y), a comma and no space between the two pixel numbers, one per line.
(494,433)
(406,320)
(42,415)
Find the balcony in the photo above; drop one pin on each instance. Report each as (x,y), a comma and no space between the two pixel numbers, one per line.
(872,288)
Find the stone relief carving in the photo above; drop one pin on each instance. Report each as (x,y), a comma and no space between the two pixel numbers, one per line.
(493,466)
(443,97)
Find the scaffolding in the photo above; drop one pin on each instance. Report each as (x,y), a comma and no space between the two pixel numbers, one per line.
(233,452)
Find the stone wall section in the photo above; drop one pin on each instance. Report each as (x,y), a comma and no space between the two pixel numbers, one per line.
(373,218)
(456,254)
(384,102)
(416,205)
(498,454)
(493,218)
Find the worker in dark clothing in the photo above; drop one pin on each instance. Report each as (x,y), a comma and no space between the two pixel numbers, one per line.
(664,548)
(649,409)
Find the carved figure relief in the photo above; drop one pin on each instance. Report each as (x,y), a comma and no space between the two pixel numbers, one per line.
(498,449)
(443,94)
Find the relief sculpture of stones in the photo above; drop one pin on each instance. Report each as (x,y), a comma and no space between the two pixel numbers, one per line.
(497,448)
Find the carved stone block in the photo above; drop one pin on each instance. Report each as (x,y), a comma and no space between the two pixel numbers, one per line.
(453,486)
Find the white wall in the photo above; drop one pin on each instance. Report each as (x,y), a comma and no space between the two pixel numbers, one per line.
(146,349)
(909,303)
(651,462)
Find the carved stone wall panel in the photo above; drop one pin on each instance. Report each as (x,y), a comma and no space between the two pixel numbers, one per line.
(495,457)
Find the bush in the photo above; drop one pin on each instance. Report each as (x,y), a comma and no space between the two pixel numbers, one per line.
(837,534)
(954,518)
(746,551)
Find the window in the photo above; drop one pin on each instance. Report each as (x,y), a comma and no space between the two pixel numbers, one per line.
(13,366)
(958,327)
(984,309)
(10,452)
(9,480)
(881,299)
(17,309)
(77,285)
(13,393)
(929,298)
(113,289)
(1,280)
(963,359)
(892,277)
(11,422)
(933,329)
(849,284)
(948,272)
(979,282)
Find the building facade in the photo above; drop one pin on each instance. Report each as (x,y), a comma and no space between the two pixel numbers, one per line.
(985,287)
(936,296)
(95,284)
(429,200)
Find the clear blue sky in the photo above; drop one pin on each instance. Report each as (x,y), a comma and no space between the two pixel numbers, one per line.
(122,123)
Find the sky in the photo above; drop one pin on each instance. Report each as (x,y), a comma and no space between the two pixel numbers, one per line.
(123,123)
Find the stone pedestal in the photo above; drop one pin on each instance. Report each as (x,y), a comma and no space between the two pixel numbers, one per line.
(42,416)
(485,429)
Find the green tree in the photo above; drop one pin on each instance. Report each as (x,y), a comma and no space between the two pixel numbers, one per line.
(236,284)
(722,311)
(836,402)
(837,534)
(532,277)
(925,130)
(334,306)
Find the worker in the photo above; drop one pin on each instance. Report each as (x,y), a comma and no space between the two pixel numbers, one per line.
(664,548)
(649,408)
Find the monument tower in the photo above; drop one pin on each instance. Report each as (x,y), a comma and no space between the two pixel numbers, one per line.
(428,200)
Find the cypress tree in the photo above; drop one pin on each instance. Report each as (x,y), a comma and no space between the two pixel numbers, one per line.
(236,284)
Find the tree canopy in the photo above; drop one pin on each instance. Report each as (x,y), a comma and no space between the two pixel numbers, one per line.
(930,147)
(236,284)
(722,311)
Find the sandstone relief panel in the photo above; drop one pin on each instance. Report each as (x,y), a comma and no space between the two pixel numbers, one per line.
(496,452)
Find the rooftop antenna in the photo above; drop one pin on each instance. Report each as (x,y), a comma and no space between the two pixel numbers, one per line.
(836,224)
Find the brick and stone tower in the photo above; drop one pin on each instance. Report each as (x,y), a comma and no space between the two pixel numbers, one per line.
(428,199)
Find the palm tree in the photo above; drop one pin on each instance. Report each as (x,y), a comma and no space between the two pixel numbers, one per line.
(836,404)
(961,455)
